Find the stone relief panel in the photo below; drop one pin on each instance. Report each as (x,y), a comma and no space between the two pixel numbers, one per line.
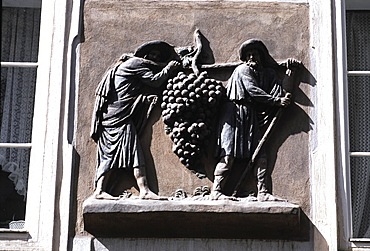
(181,118)
(244,112)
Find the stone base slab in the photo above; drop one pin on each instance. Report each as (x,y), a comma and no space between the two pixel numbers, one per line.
(134,218)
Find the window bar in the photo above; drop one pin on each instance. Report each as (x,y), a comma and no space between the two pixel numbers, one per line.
(16,145)
(18,64)
(359,154)
(358,73)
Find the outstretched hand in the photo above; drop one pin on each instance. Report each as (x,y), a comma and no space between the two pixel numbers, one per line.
(151,99)
(292,64)
(173,64)
(284,101)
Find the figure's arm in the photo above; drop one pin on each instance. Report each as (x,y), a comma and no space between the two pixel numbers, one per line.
(156,80)
(258,94)
(284,101)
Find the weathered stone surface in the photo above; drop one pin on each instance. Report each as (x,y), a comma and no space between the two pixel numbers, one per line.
(200,219)
(115,27)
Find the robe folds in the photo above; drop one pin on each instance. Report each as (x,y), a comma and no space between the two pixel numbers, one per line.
(121,111)
(251,97)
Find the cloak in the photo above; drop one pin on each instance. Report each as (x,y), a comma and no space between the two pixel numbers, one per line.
(121,111)
(251,99)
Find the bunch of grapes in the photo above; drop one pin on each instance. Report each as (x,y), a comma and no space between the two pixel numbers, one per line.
(189,104)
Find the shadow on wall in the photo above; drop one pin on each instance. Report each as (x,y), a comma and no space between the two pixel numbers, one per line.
(316,242)
(74,209)
(293,121)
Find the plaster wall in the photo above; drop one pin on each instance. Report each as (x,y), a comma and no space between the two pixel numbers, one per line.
(322,137)
(115,27)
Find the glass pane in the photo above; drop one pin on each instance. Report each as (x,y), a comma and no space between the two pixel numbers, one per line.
(20,28)
(19,43)
(13,184)
(16,104)
(358,37)
(360,188)
(359,113)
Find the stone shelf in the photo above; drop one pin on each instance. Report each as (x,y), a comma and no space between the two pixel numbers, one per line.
(134,218)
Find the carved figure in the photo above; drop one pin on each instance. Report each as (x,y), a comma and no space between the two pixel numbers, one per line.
(122,109)
(254,93)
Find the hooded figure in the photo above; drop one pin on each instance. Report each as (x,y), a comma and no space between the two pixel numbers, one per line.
(253,92)
(122,109)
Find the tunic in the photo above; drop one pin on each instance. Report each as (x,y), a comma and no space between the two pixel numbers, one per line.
(121,111)
(251,96)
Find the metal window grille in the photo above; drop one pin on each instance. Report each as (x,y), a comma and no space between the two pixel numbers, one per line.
(358,55)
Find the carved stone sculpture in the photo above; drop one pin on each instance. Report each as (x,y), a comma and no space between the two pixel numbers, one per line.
(122,109)
(254,94)
(250,103)
(189,105)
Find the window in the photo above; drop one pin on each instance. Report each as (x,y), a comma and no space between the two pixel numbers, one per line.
(353,61)
(50,165)
(19,51)
(358,79)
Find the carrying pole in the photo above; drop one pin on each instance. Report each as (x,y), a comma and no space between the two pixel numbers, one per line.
(258,148)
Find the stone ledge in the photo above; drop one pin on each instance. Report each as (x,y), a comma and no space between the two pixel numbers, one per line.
(133,218)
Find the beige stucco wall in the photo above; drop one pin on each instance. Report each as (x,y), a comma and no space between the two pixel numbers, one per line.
(114,27)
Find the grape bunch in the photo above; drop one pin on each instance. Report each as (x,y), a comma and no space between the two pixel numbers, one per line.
(188,105)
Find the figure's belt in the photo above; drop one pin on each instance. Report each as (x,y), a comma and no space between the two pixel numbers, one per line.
(247,101)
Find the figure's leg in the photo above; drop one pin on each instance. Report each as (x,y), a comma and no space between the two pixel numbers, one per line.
(221,173)
(145,192)
(261,166)
(101,184)
(263,193)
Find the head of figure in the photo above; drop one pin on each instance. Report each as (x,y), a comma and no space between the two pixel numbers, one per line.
(153,55)
(255,54)
(156,51)
(253,58)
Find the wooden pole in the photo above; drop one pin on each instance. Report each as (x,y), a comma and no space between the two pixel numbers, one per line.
(258,149)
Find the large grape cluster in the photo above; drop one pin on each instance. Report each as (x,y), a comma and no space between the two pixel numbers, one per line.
(189,103)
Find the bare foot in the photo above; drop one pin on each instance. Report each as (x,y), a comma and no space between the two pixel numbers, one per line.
(217,195)
(248,199)
(104,196)
(268,197)
(149,195)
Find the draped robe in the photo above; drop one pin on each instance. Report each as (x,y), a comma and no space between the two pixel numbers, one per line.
(121,111)
(251,97)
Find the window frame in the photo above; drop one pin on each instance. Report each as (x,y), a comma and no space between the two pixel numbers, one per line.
(16,64)
(50,171)
(345,154)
